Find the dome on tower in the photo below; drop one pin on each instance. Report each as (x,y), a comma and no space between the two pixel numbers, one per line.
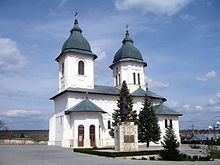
(127,50)
(76,42)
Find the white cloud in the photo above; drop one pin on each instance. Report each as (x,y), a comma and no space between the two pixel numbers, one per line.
(168,7)
(187,17)
(155,84)
(20,113)
(62,3)
(212,101)
(216,107)
(218,95)
(207,76)
(173,104)
(11,59)
(197,107)
(100,53)
(187,107)
(191,107)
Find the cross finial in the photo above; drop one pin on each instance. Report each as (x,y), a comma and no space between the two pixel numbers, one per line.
(126,30)
(86,94)
(126,27)
(76,13)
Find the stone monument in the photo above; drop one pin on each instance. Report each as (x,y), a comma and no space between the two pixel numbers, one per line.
(126,133)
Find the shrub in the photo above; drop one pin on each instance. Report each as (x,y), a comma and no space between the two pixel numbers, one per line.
(195,157)
(152,157)
(115,154)
(194,146)
(207,158)
(189,157)
(184,156)
(170,145)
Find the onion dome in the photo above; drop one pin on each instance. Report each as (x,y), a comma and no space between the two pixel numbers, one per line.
(76,42)
(128,51)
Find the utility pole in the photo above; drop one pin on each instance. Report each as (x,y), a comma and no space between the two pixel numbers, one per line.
(193,131)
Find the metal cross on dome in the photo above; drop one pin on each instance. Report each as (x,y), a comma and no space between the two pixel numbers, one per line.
(76,13)
(126,27)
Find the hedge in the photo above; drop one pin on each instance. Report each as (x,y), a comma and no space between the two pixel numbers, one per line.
(115,154)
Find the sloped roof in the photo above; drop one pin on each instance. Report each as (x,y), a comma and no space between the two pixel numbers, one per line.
(127,50)
(76,43)
(98,89)
(109,90)
(85,106)
(164,110)
(76,40)
(141,92)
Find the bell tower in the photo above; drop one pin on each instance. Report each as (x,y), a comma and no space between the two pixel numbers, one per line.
(76,61)
(128,65)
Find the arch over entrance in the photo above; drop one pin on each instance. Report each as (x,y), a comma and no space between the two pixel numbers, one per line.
(80,136)
(92,135)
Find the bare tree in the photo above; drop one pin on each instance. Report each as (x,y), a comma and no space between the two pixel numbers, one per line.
(2,125)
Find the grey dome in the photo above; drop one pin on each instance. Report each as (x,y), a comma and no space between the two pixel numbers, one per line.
(76,41)
(127,50)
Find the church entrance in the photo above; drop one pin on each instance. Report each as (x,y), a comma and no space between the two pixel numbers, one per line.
(80,136)
(92,135)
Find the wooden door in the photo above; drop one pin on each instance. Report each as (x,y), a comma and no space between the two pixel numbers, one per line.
(80,136)
(92,135)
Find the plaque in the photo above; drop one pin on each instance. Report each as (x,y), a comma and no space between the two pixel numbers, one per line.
(128,138)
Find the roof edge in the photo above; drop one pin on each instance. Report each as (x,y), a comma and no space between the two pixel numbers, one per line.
(74,50)
(128,59)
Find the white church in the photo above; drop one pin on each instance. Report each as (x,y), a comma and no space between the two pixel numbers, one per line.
(82,110)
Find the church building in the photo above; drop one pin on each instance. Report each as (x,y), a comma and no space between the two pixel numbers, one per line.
(82,110)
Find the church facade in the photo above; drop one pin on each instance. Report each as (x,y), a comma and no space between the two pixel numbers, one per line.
(82,110)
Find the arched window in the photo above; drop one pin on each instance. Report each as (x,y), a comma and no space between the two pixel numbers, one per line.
(92,135)
(139,81)
(62,69)
(171,123)
(81,68)
(166,124)
(109,124)
(80,135)
(134,78)
(119,79)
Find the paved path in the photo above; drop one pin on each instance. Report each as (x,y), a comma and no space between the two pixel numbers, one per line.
(50,155)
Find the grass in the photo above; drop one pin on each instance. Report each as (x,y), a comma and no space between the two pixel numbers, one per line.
(194,146)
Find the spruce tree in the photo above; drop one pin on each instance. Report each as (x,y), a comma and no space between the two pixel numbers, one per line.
(132,114)
(170,145)
(148,128)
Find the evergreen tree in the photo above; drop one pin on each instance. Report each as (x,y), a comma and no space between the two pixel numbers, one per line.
(148,128)
(170,145)
(132,114)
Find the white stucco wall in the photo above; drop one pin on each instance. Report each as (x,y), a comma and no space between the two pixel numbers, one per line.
(64,128)
(66,134)
(71,78)
(126,70)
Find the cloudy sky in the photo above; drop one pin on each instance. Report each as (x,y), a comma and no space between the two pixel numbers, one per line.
(179,39)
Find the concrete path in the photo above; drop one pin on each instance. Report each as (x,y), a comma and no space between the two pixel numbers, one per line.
(50,155)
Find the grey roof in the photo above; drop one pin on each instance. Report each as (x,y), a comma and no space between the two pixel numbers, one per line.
(76,42)
(85,106)
(141,92)
(164,110)
(209,136)
(107,90)
(128,50)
